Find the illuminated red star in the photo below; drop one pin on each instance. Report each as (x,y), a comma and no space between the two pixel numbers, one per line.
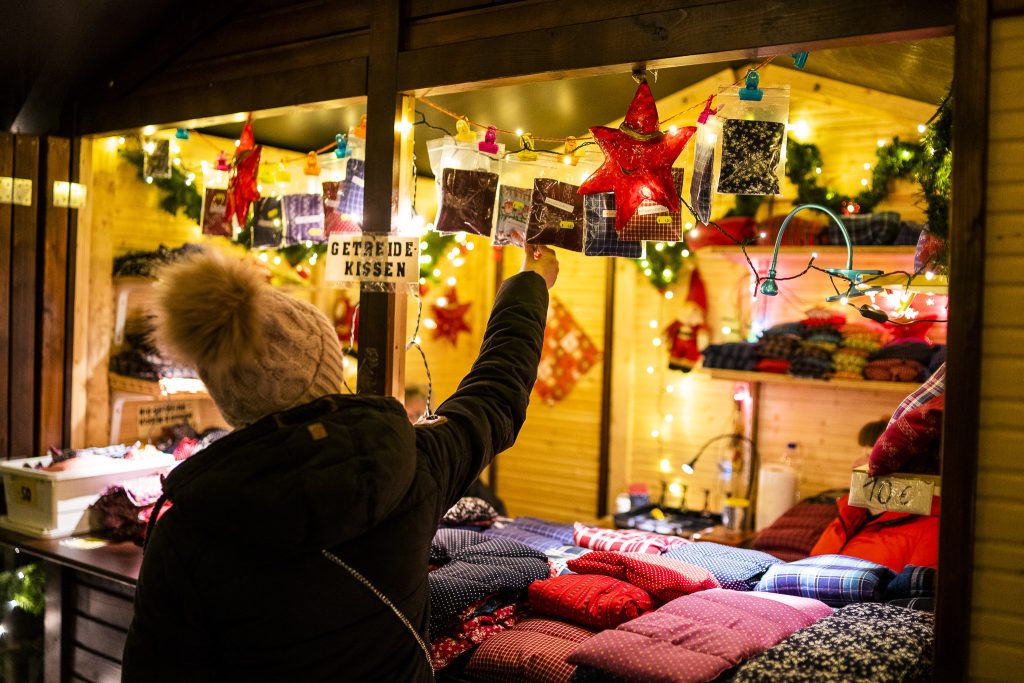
(450,318)
(638,159)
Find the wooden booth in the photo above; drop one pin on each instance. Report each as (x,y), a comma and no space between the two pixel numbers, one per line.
(305,71)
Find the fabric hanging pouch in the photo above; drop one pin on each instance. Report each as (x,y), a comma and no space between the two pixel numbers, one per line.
(303,218)
(515,196)
(267,223)
(600,238)
(215,219)
(753,140)
(655,222)
(556,215)
(350,196)
(336,222)
(703,180)
(467,185)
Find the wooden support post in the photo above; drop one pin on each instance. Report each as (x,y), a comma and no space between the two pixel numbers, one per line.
(55,668)
(607,369)
(6,217)
(23,273)
(382,314)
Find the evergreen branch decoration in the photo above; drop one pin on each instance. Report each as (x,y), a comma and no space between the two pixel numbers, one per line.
(436,247)
(661,263)
(176,194)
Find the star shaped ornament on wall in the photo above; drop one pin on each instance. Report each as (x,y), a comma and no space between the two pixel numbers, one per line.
(638,159)
(450,317)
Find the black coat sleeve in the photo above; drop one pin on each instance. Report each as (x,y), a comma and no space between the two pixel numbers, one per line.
(484,415)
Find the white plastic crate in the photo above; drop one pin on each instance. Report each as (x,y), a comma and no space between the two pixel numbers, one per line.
(52,504)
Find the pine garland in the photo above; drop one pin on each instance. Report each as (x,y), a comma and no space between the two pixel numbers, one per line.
(177,194)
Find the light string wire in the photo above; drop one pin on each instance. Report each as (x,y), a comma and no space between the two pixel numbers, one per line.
(414,343)
(351,344)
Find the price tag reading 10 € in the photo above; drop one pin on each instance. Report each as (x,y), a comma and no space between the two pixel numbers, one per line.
(896,494)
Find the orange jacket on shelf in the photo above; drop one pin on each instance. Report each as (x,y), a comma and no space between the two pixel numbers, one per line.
(894,539)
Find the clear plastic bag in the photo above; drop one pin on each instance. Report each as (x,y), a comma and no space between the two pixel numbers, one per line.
(515,197)
(702,182)
(267,224)
(600,238)
(303,218)
(655,222)
(752,157)
(467,183)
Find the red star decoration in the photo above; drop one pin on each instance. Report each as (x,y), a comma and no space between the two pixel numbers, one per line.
(638,159)
(450,318)
(242,184)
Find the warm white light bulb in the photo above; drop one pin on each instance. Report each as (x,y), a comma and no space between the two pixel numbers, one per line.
(726,329)
(653,324)
(149,130)
(650,369)
(451,281)
(669,295)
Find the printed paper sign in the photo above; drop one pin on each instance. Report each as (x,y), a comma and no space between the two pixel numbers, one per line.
(162,414)
(372,258)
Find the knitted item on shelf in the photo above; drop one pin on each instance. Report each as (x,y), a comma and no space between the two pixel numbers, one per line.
(735,356)
(811,361)
(779,366)
(850,362)
(894,370)
(779,346)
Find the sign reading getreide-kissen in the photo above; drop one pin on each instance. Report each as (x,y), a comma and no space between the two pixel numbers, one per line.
(356,258)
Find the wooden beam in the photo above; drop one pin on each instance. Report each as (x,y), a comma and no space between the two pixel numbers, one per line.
(79,298)
(23,303)
(736,29)
(1007,8)
(6,217)
(963,339)
(604,449)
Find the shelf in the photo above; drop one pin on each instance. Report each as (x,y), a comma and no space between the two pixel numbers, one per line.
(938,285)
(775,378)
(794,259)
(172,387)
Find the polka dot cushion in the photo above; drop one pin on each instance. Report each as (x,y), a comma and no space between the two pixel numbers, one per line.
(591,600)
(534,651)
(664,578)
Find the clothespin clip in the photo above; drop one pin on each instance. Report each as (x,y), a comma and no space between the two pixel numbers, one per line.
(463,133)
(570,158)
(708,111)
(284,176)
(181,133)
(799,59)
(267,174)
(222,162)
(490,144)
(312,164)
(751,92)
(341,148)
(360,130)
(527,153)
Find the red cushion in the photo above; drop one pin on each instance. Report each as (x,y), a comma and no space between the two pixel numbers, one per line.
(739,227)
(534,650)
(590,599)
(911,442)
(664,578)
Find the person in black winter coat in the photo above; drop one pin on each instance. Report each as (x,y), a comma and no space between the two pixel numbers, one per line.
(296,547)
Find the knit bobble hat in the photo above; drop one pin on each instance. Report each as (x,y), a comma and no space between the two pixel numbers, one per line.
(257,350)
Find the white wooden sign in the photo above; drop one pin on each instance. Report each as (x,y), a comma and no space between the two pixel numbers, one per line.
(895,493)
(372,258)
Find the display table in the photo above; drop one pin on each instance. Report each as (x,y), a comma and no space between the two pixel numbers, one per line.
(89,595)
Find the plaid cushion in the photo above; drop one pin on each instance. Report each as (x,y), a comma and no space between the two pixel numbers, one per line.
(335,222)
(912,582)
(869,228)
(556,215)
(655,222)
(734,568)
(834,579)
(601,238)
(793,534)
(525,536)
(910,443)
(559,558)
(591,600)
(932,387)
(559,532)
(350,200)
(623,540)
(664,578)
(533,651)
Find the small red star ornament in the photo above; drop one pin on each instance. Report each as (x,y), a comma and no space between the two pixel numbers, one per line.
(638,159)
(243,187)
(450,318)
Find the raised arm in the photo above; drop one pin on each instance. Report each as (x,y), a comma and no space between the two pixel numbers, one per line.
(484,415)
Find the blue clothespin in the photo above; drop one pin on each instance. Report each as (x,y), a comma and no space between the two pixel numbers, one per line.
(799,59)
(181,133)
(751,92)
(341,150)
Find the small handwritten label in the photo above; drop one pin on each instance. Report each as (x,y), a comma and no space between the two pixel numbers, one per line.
(566,225)
(608,213)
(653,208)
(896,494)
(517,205)
(358,180)
(664,220)
(568,208)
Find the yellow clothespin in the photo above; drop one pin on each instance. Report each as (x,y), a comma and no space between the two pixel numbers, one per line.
(267,174)
(571,158)
(284,176)
(463,132)
(527,153)
(312,164)
(360,131)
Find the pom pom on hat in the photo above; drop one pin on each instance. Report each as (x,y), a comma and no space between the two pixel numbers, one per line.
(257,350)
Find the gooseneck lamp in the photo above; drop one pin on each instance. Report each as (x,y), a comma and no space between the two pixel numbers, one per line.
(855,277)
(735,438)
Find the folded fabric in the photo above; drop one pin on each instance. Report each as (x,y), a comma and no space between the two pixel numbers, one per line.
(303,218)
(907,349)
(478,566)
(350,197)
(811,361)
(664,578)
(124,509)
(868,642)
(534,651)
(894,370)
(467,201)
(696,637)
(477,623)
(921,604)
(470,510)
(912,582)
(734,356)
(558,531)
(655,222)
(932,387)
(776,365)
(778,345)
(559,558)
(450,542)
(868,228)
(796,328)
(910,443)
(592,599)
(791,536)
(534,540)
(623,540)
(833,579)
(601,239)
(513,215)
(556,215)
(734,568)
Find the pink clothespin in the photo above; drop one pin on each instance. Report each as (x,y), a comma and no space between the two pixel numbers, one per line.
(222,162)
(489,144)
(708,111)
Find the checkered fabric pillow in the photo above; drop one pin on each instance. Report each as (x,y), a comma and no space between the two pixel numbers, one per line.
(834,579)
(534,651)
(912,582)
(560,532)
(623,540)
(350,200)
(932,387)
(664,578)
(525,536)
(869,228)
(734,568)
(792,535)
(560,557)
(655,222)
(601,238)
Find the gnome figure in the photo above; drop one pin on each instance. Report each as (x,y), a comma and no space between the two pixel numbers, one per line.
(687,335)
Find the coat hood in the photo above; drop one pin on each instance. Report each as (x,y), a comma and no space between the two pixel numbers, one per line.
(310,477)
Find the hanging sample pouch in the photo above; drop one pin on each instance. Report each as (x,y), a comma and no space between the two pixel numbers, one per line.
(303,218)
(655,222)
(336,222)
(215,219)
(753,138)
(556,215)
(267,223)
(702,182)
(350,198)
(513,215)
(600,238)
(467,201)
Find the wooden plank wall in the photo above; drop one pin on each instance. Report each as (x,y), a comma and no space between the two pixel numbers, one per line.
(6,221)
(997,627)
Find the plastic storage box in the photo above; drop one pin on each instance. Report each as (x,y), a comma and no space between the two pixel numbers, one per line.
(52,504)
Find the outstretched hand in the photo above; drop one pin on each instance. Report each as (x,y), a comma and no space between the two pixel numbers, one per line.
(541,260)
